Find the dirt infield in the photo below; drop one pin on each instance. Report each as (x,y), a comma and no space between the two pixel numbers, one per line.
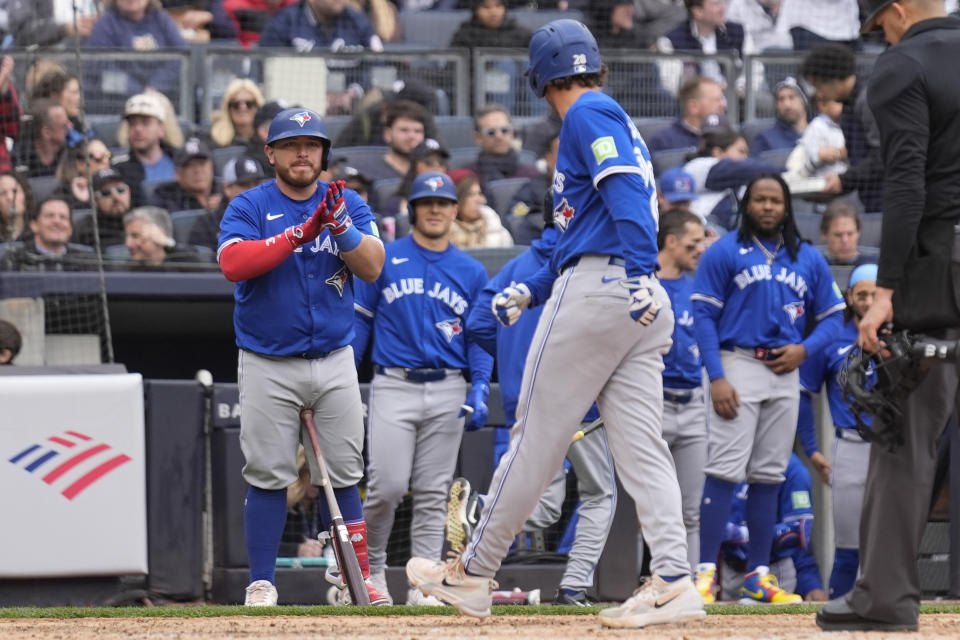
(781,627)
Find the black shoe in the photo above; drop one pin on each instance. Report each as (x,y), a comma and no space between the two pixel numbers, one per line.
(572,598)
(837,615)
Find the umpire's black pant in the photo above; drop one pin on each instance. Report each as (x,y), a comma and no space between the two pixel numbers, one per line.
(897,501)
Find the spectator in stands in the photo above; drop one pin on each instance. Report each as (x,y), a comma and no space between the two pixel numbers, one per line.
(75,165)
(9,111)
(38,22)
(498,158)
(366,126)
(195,187)
(832,70)
(702,104)
(250,17)
(790,122)
(811,23)
(382,14)
(10,342)
(150,157)
(821,150)
(676,189)
(64,89)
(656,17)
(138,25)
(760,21)
(489,26)
(201,20)
(840,233)
(404,129)
(524,215)
(303,516)
(39,151)
(149,239)
(233,122)
(239,174)
(477,225)
(538,135)
(321,24)
(720,169)
(16,203)
(612,23)
(112,196)
(261,125)
(707,30)
(48,249)
(429,155)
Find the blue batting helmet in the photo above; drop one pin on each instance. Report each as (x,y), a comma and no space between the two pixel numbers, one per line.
(431,184)
(559,49)
(290,123)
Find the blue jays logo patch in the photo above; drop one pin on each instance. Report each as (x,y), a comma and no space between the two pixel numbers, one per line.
(434,183)
(562,214)
(339,280)
(301,118)
(450,328)
(794,310)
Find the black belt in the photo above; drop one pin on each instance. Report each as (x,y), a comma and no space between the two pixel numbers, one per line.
(679,396)
(616,261)
(313,355)
(414,375)
(759,353)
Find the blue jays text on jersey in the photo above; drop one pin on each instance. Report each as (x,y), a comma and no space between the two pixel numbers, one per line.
(420,303)
(763,304)
(682,365)
(598,140)
(305,304)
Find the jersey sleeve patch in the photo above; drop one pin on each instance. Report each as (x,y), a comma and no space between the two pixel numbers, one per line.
(800,499)
(604,148)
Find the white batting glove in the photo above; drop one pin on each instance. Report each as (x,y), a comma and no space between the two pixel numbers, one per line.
(510,303)
(643,307)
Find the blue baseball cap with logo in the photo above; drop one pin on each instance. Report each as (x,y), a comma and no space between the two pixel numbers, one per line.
(677,185)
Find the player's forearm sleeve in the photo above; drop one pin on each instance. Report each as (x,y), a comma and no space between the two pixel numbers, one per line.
(808,575)
(540,284)
(708,340)
(827,330)
(481,363)
(805,425)
(251,258)
(481,323)
(628,200)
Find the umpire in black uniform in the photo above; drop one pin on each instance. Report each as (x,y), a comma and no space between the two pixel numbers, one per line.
(914,94)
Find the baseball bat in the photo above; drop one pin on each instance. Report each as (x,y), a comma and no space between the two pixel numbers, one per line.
(340,538)
(587,430)
(516,597)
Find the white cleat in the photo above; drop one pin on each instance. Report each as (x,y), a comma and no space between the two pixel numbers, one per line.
(656,602)
(261,593)
(447,581)
(415,598)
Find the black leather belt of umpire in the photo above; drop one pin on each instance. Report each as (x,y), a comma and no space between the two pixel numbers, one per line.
(679,396)
(415,375)
(616,261)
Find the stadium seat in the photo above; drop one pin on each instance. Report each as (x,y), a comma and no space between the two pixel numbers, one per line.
(356,156)
(648,127)
(501,192)
(808,224)
(335,124)
(751,128)
(105,128)
(382,190)
(147,187)
(533,19)
(42,186)
(223,155)
(462,156)
(777,157)
(669,158)
(117,252)
(493,258)
(455,131)
(870,228)
(433,28)
(183,222)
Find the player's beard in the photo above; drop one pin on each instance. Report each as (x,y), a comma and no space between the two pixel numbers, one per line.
(286,174)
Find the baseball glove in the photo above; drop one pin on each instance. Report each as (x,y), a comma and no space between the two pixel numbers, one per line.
(877,384)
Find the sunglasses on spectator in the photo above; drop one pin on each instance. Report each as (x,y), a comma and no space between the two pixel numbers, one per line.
(236,104)
(492,131)
(106,192)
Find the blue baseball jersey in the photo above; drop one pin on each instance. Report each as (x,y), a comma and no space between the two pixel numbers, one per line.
(824,367)
(305,304)
(749,303)
(598,140)
(682,365)
(510,344)
(418,309)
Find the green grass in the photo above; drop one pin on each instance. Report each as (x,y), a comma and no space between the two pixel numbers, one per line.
(221,611)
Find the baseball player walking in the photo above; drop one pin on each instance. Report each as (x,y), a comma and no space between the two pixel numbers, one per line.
(589,456)
(681,242)
(752,295)
(605,326)
(416,312)
(851,453)
(291,245)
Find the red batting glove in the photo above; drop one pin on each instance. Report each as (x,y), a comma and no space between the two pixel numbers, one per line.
(308,231)
(336,219)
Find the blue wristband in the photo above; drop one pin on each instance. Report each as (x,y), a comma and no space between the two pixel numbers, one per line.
(349,239)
